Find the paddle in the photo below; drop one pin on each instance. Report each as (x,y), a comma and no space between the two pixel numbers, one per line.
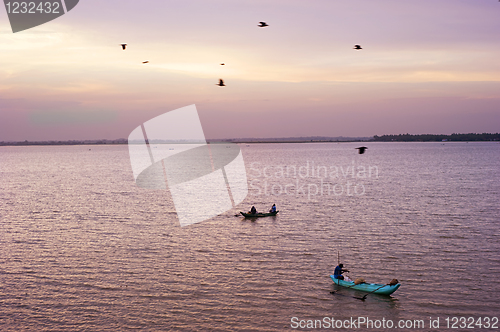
(364,297)
(392,283)
(333,292)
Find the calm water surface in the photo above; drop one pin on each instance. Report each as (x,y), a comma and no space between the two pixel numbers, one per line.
(84,249)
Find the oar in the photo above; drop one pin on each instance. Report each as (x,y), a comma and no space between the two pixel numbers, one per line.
(364,297)
(333,292)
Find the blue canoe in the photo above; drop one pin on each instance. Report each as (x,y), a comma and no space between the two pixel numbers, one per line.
(380,289)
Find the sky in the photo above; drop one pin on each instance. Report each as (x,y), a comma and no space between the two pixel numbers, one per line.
(426,67)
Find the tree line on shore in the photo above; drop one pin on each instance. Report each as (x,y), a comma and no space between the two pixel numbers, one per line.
(384,138)
(437,138)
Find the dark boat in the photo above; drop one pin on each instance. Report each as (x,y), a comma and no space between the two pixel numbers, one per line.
(258,215)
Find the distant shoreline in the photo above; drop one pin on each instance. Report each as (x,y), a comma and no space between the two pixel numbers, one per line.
(48,143)
(471,137)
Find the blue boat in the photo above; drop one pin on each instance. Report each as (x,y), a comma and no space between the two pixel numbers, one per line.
(380,289)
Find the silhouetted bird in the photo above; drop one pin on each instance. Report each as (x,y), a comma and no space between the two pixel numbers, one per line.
(221,82)
(362,149)
(357,47)
(145,62)
(124,46)
(263,24)
(222,64)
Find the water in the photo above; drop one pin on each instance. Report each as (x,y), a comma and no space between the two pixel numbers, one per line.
(83,248)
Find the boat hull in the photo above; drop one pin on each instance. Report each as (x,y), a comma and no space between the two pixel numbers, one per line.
(259,215)
(366,287)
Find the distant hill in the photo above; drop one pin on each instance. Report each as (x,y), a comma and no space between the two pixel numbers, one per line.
(384,138)
(293,139)
(437,138)
(71,142)
(232,140)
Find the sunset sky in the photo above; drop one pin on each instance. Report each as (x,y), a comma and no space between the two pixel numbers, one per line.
(427,66)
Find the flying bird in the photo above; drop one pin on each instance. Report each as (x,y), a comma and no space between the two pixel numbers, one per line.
(263,24)
(221,82)
(362,149)
(357,47)
(145,62)
(222,64)
(124,46)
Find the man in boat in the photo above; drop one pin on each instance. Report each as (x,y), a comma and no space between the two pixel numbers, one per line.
(273,209)
(253,210)
(337,274)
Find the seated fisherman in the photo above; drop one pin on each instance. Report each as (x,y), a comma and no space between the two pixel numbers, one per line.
(337,274)
(273,209)
(253,210)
